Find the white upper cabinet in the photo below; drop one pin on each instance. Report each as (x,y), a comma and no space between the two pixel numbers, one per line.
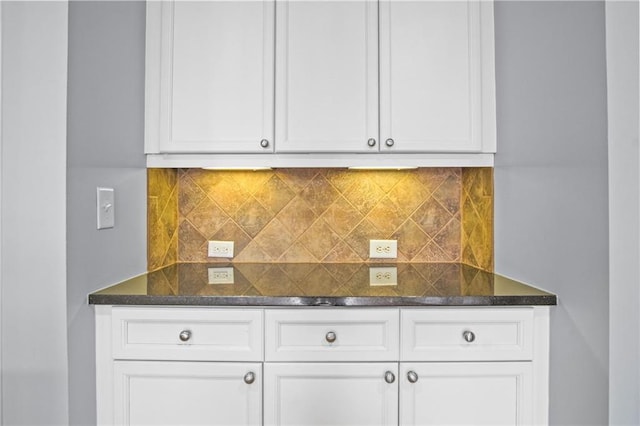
(290,78)
(210,68)
(437,76)
(326,76)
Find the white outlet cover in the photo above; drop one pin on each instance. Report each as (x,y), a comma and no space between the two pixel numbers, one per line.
(221,275)
(105,208)
(220,249)
(383,249)
(383,275)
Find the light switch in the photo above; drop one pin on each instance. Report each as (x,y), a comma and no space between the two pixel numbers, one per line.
(106,208)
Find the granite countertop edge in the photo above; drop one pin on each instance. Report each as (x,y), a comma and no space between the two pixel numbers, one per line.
(319,302)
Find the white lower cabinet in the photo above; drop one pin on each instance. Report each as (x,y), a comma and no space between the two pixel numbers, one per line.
(337,394)
(322,367)
(187,393)
(466,393)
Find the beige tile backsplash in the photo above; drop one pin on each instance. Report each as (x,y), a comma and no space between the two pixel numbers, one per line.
(321,215)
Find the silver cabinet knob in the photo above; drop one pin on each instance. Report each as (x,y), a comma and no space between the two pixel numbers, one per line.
(264,143)
(412,376)
(389,377)
(389,142)
(250,377)
(331,337)
(371,142)
(185,335)
(469,336)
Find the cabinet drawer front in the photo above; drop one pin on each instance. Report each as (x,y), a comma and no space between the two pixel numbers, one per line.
(187,334)
(332,335)
(467,334)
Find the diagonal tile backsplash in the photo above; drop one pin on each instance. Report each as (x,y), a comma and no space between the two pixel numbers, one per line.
(162,218)
(322,215)
(477,217)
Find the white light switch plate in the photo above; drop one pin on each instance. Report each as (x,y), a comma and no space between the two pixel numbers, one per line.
(105,208)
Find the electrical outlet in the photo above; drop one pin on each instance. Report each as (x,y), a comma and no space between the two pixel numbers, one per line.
(385,275)
(220,275)
(383,249)
(220,249)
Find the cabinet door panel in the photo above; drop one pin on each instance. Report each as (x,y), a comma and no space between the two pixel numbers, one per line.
(330,394)
(326,76)
(492,394)
(430,75)
(186,393)
(216,76)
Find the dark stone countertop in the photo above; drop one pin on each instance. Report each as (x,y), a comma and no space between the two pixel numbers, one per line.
(329,284)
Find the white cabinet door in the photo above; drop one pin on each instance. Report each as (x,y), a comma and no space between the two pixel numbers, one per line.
(326,76)
(187,393)
(210,68)
(496,393)
(436,76)
(331,394)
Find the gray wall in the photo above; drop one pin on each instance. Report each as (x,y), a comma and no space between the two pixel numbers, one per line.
(551,217)
(624,212)
(105,148)
(34,332)
(551,179)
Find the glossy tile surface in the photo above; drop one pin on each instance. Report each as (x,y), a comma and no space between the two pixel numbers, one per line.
(477,217)
(321,215)
(332,284)
(162,218)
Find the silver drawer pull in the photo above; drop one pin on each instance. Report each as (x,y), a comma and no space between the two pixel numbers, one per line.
(250,377)
(469,336)
(331,337)
(389,377)
(412,376)
(185,335)
(264,143)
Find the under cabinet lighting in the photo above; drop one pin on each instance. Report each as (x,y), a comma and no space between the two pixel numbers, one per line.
(382,168)
(254,169)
